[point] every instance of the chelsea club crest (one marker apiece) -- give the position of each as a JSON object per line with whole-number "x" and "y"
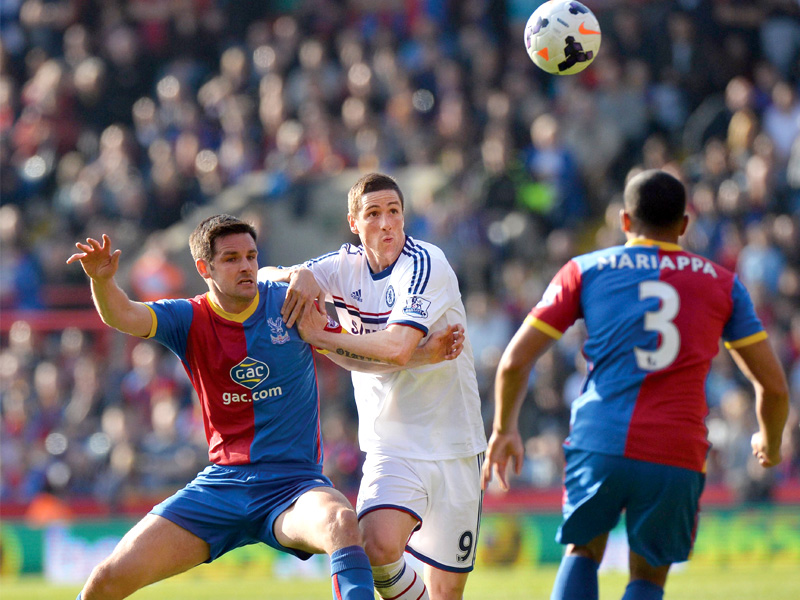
{"x": 390, "y": 297}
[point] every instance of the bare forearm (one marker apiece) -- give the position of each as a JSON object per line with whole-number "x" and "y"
{"x": 419, "y": 358}
{"x": 762, "y": 367}
{"x": 772, "y": 411}
{"x": 376, "y": 348}
{"x": 276, "y": 274}
{"x": 511, "y": 386}
{"x": 444, "y": 344}
{"x": 362, "y": 365}
{"x": 119, "y": 311}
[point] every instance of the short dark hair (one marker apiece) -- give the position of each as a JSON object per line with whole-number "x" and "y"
{"x": 655, "y": 198}
{"x": 204, "y": 236}
{"x": 371, "y": 182}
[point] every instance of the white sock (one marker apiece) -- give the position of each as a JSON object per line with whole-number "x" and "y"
{"x": 398, "y": 581}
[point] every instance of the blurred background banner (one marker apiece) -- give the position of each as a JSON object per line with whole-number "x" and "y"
{"x": 138, "y": 119}
{"x": 67, "y": 552}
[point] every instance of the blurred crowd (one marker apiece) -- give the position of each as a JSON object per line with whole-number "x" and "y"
{"x": 123, "y": 116}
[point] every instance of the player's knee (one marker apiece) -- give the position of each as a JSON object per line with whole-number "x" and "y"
{"x": 380, "y": 550}
{"x": 641, "y": 569}
{"x": 596, "y": 554}
{"x": 102, "y": 584}
{"x": 343, "y": 527}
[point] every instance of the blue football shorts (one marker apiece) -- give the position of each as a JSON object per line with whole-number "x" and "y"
{"x": 233, "y": 506}
{"x": 660, "y": 502}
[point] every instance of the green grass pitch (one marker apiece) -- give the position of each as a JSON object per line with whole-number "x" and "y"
{"x": 737, "y": 581}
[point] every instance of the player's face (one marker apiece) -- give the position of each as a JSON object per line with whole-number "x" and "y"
{"x": 232, "y": 272}
{"x": 379, "y": 223}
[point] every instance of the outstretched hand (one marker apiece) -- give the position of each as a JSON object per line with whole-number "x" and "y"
{"x": 97, "y": 260}
{"x": 502, "y": 446}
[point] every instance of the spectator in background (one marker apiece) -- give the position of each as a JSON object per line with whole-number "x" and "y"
{"x": 490, "y": 329}
{"x": 555, "y": 193}
{"x": 782, "y": 119}
{"x": 686, "y": 49}
{"x": 779, "y": 35}
{"x": 153, "y": 276}
{"x": 21, "y": 273}
{"x": 760, "y": 263}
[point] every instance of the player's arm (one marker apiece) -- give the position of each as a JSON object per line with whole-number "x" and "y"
{"x": 510, "y": 387}
{"x": 445, "y": 344}
{"x": 761, "y": 366}
{"x": 302, "y": 293}
{"x": 112, "y": 303}
{"x": 395, "y": 345}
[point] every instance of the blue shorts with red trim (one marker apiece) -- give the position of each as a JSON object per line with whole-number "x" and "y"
{"x": 660, "y": 503}
{"x": 233, "y": 506}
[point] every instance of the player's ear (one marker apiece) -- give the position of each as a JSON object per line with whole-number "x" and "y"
{"x": 624, "y": 220}
{"x": 203, "y": 268}
{"x": 684, "y": 224}
{"x": 352, "y": 221}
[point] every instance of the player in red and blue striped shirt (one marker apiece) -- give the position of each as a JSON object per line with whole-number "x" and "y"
{"x": 257, "y": 387}
{"x": 654, "y": 315}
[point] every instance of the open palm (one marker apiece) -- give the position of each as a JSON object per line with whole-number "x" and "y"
{"x": 97, "y": 260}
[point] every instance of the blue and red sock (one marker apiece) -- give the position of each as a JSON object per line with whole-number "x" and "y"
{"x": 351, "y": 574}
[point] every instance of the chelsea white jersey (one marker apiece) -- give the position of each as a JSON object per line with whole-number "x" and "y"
{"x": 430, "y": 412}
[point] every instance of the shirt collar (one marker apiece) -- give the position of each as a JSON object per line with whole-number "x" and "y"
{"x": 236, "y": 317}
{"x": 648, "y": 242}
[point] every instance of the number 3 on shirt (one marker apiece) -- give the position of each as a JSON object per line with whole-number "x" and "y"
{"x": 660, "y": 321}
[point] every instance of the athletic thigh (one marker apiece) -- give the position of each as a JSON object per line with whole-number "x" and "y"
{"x": 320, "y": 520}
{"x": 152, "y": 550}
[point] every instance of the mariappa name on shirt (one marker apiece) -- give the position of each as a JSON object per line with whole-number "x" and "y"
{"x": 652, "y": 262}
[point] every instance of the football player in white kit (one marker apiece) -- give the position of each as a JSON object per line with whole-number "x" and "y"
{"x": 420, "y": 426}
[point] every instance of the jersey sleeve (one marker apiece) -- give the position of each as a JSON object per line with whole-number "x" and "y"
{"x": 560, "y": 305}
{"x": 425, "y": 291}
{"x": 744, "y": 327}
{"x": 171, "y": 322}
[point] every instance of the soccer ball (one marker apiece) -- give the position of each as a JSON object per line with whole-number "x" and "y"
{"x": 562, "y": 37}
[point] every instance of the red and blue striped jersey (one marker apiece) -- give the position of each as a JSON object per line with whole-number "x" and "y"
{"x": 255, "y": 379}
{"x": 654, "y": 315}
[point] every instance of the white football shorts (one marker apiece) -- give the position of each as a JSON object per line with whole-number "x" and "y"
{"x": 444, "y": 495}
